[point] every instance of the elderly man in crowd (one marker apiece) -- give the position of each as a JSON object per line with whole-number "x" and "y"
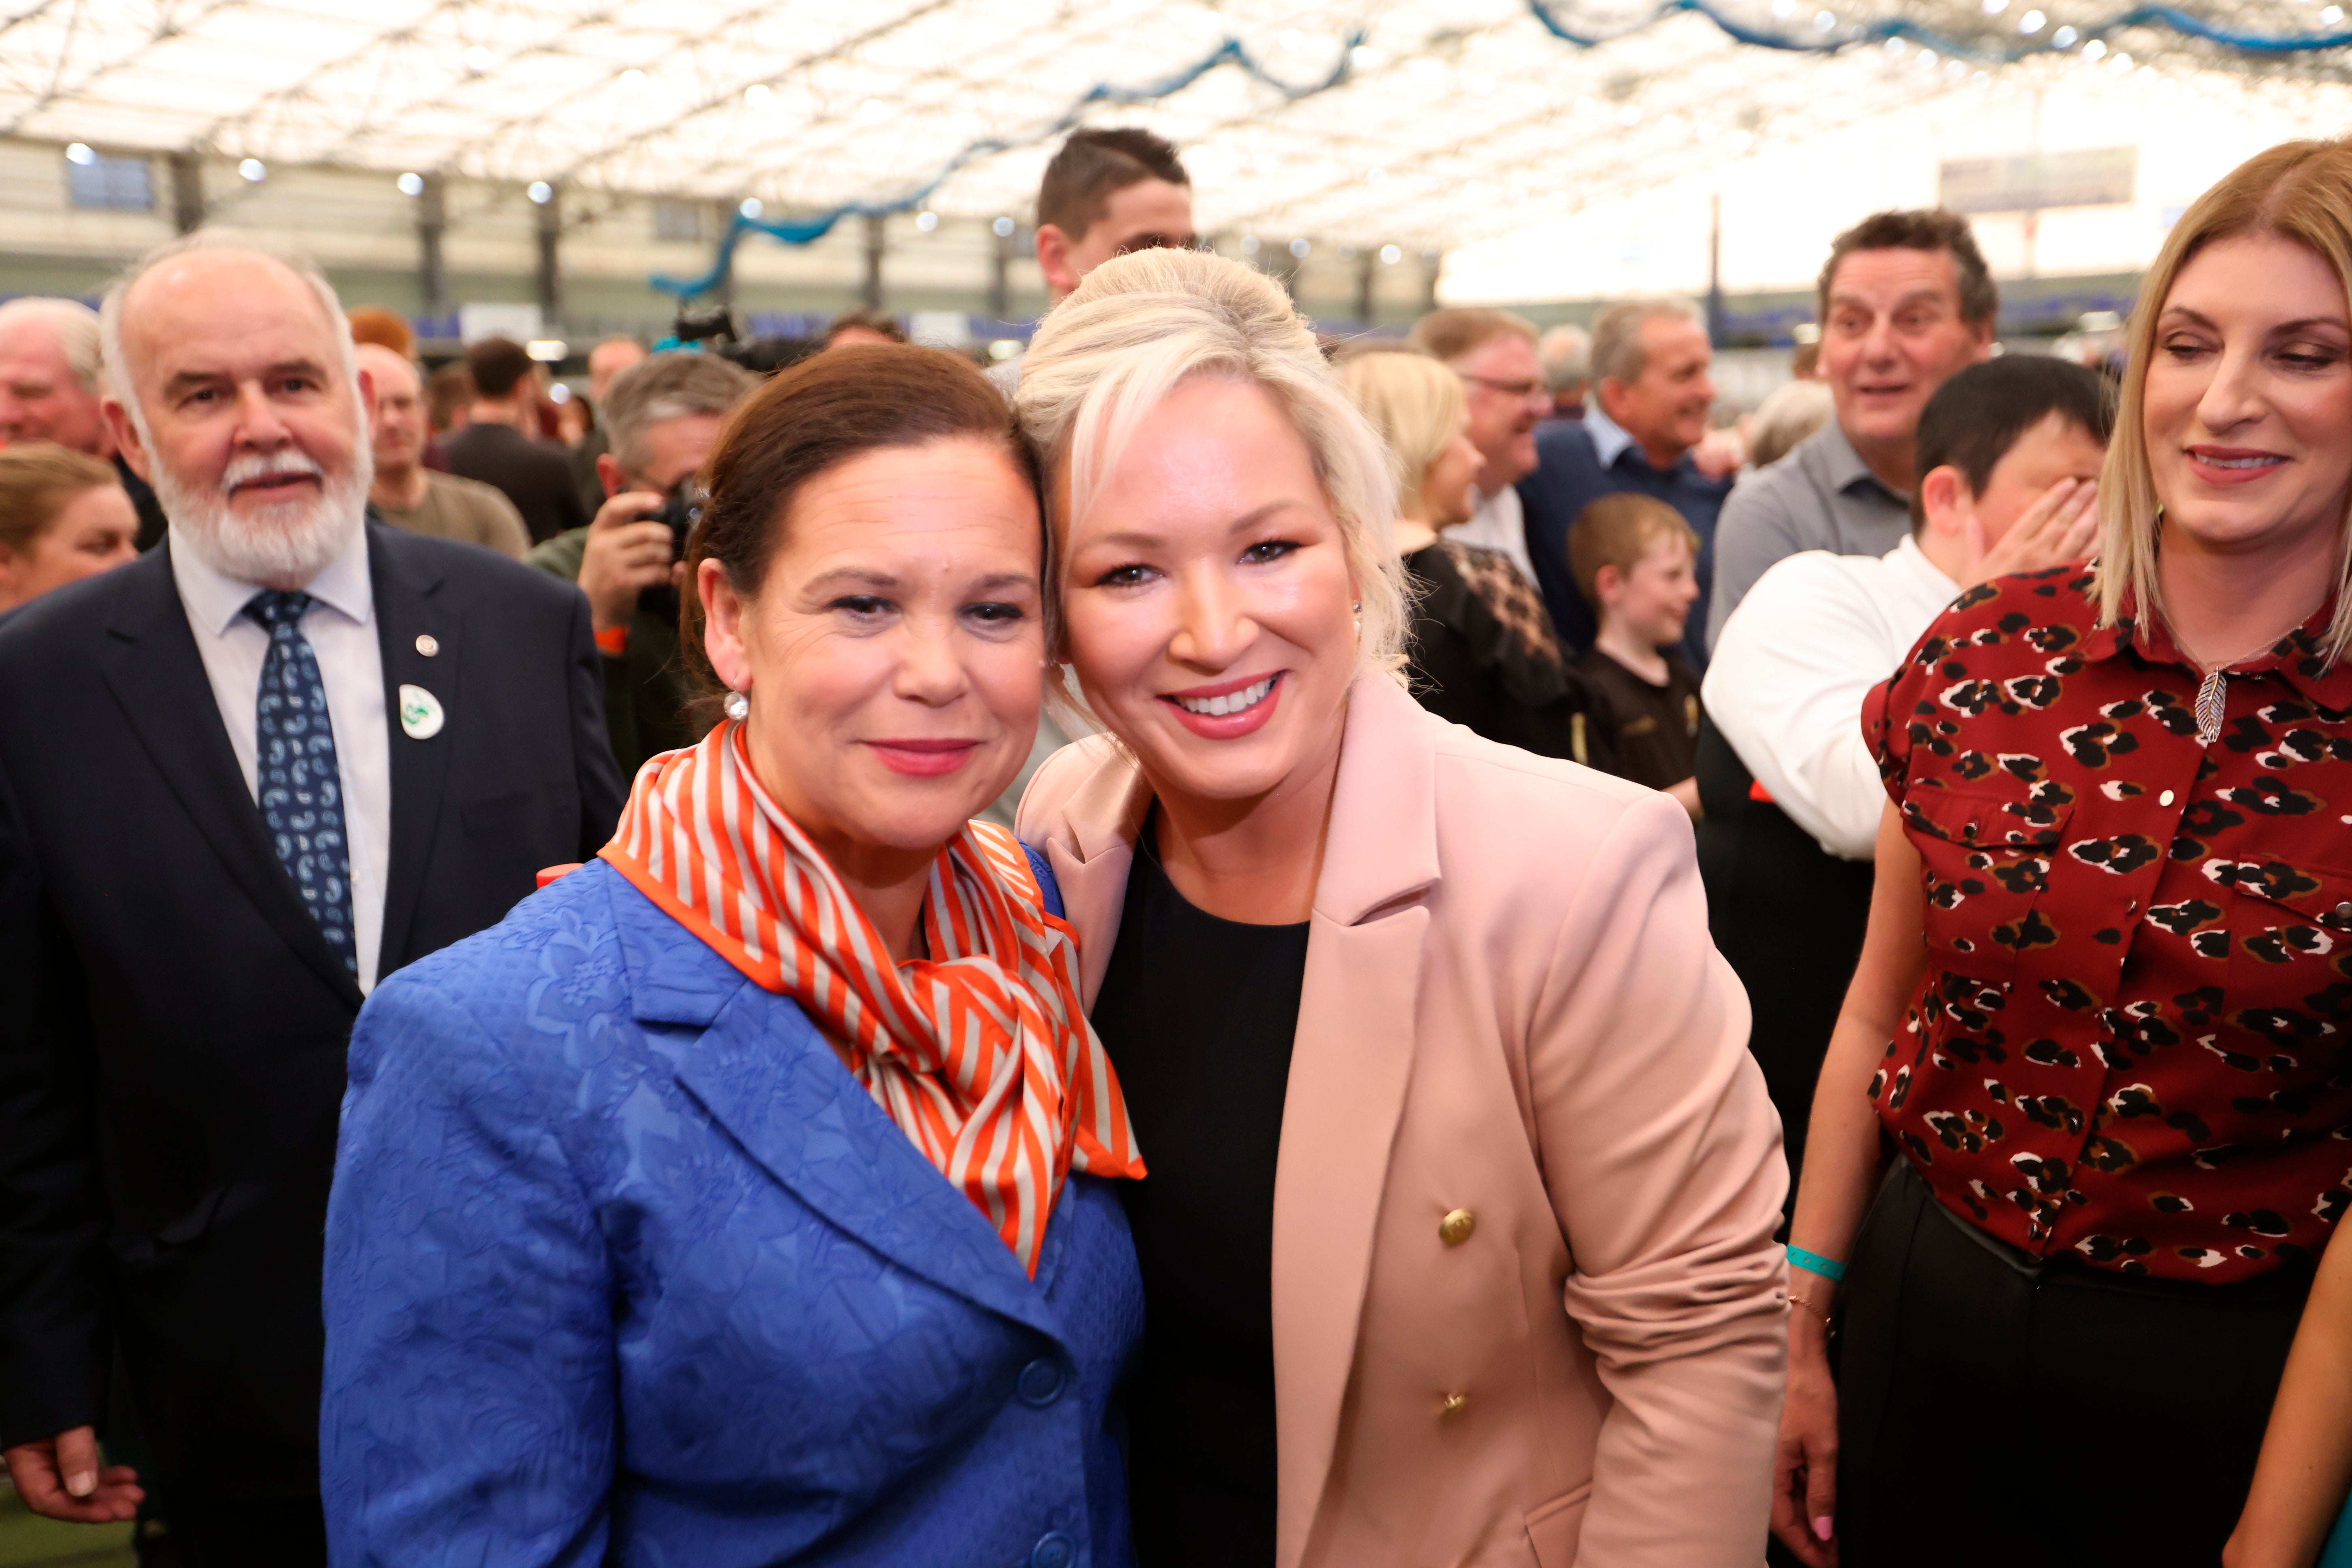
{"x": 243, "y": 778}
{"x": 1642, "y": 433}
{"x": 1494, "y": 352}
{"x": 664, "y": 415}
{"x": 49, "y": 391}
{"x": 1906, "y": 301}
{"x": 409, "y": 495}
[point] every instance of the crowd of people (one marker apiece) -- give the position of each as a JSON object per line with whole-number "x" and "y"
{"x": 1206, "y": 945}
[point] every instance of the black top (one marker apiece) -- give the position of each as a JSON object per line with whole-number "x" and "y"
{"x": 1484, "y": 655}
{"x": 171, "y": 1050}
{"x": 1653, "y": 730}
{"x": 536, "y": 475}
{"x": 1197, "y": 1015}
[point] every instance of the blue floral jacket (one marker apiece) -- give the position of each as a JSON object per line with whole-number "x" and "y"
{"x": 622, "y": 1265}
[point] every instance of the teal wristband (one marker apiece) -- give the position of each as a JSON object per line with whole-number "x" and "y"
{"x": 1814, "y": 1263}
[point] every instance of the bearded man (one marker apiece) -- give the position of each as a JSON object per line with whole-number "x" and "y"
{"x": 242, "y": 779}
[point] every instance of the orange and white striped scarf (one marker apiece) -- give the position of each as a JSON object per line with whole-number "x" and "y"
{"x": 981, "y": 1053}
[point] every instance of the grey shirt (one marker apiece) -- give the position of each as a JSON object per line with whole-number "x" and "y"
{"x": 1821, "y": 496}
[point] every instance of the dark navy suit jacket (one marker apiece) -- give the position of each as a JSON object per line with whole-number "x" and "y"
{"x": 623, "y": 1266}
{"x": 1577, "y": 461}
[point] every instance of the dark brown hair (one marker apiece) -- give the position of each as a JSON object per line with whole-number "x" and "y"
{"x": 1921, "y": 229}
{"x": 497, "y": 366}
{"x": 880, "y": 321}
{"x": 1094, "y": 165}
{"x": 449, "y": 392}
{"x": 817, "y": 414}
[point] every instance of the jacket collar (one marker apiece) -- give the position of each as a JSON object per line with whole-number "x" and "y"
{"x": 766, "y": 1075}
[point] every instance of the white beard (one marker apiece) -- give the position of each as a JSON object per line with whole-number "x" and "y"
{"x": 280, "y": 544}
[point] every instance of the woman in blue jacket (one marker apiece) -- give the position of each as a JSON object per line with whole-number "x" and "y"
{"x": 744, "y": 1197}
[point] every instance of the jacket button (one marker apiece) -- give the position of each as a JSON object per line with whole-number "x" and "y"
{"x": 1456, "y": 1227}
{"x": 1041, "y": 1384}
{"x": 2164, "y": 799}
{"x": 1053, "y": 1549}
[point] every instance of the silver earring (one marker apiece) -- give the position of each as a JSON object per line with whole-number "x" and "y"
{"x": 739, "y": 707}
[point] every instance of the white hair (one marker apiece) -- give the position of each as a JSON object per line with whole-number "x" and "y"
{"x": 74, "y": 325}
{"x": 281, "y": 544}
{"x": 1617, "y": 351}
{"x": 1142, "y": 324}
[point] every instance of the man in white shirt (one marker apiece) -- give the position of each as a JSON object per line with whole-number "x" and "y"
{"x": 243, "y": 777}
{"x": 1494, "y": 352}
{"x": 2009, "y": 453}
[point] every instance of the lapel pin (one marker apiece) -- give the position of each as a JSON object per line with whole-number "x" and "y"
{"x": 427, "y": 643}
{"x": 420, "y": 714}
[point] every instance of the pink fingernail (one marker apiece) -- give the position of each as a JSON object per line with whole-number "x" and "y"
{"x": 1821, "y": 1528}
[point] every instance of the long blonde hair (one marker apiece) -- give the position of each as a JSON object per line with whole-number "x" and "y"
{"x": 1141, "y": 325}
{"x": 2298, "y": 191}
{"x": 1416, "y": 404}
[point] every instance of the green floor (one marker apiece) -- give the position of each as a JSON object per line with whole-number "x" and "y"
{"x": 27, "y": 1540}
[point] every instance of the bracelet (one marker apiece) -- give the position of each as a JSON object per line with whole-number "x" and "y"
{"x": 1815, "y": 1308}
{"x": 1814, "y": 1263}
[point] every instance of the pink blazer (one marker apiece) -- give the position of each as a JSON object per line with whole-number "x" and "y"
{"x": 1511, "y": 1010}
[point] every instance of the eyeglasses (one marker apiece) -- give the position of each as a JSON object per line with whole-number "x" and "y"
{"x": 1521, "y": 389}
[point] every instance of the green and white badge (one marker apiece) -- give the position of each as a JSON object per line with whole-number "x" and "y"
{"x": 420, "y": 714}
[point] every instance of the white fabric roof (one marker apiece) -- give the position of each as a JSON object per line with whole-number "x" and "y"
{"x": 1460, "y": 121}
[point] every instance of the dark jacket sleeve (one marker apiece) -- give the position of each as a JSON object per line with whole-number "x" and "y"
{"x": 54, "y": 1329}
{"x": 602, "y": 790}
{"x": 1468, "y": 669}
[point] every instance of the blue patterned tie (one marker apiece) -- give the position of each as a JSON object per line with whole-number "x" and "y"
{"x": 301, "y": 792}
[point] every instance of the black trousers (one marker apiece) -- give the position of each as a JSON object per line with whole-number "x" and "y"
{"x": 1993, "y": 1411}
{"x": 249, "y": 1532}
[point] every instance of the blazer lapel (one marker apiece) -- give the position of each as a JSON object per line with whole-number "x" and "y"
{"x": 410, "y": 617}
{"x": 1349, "y": 1065}
{"x": 153, "y": 667}
{"x": 1091, "y": 849}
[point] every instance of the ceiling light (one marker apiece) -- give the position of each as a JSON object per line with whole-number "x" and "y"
{"x": 2095, "y": 48}
{"x": 927, "y": 221}
{"x": 1003, "y": 348}
{"x": 1390, "y": 256}
{"x": 1363, "y": 58}
{"x": 411, "y": 184}
{"x": 79, "y": 153}
{"x": 1299, "y": 247}
{"x": 2331, "y": 15}
{"x": 547, "y": 350}
{"x": 1002, "y": 227}
{"x": 1784, "y": 9}
{"x": 253, "y": 170}
{"x": 751, "y": 207}
{"x": 478, "y": 58}
{"x": 1292, "y": 38}
{"x": 1629, "y": 116}
{"x": 540, "y": 192}
{"x": 1823, "y": 21}
{"x": 873, "y": 109}
{"x": 2031, "y": 22}
{"x": 2065, "y": 37}
{"x": 758, "y": 93}
{"x": 1249, "y": 245}
{"x": 1995, "y": 8}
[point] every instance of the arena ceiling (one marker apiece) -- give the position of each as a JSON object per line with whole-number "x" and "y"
{"x": 1446, "y": 120}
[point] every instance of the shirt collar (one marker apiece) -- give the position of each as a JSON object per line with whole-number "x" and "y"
{"x": 1908, "y": 557}
{"x": 214, "y": 599}
{"x": 1609, "y": 438}
{"x": 1846, "y": 469}
{"x": 2300, "y": 657}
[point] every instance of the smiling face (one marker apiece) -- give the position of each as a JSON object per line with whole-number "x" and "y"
{"x": 1501, "y": 380}
{"x": 1208, "y": 601}
{"x": 894, "y": 652}
{"x": 2247, "y": 407}
{"x": 1653, "y": 599}
{"x": 40, "y": 397}
{"x": 249, "y": 424}
{"x": 1666, "y": 407}
{"x": 1894, "y": 336}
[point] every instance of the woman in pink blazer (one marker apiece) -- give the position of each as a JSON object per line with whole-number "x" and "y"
{"x": 1457, "y": 1238}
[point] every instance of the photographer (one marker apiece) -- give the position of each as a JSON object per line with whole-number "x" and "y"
{"x": 663, "y": 416}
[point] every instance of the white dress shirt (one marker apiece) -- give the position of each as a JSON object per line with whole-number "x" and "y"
{"x": 1497, "y": 523}
{"x": 1793, "y": 666}
{"x": 341, "y": 629}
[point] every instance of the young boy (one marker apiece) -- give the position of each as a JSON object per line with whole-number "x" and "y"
{"x": 1633, "y": 558}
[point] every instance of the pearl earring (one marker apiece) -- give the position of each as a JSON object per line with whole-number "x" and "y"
{"x": 739, "y": 707}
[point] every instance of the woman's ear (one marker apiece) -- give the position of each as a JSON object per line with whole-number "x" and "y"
{"x": 1945, "y": 500}
{"x": 724, "y": 615}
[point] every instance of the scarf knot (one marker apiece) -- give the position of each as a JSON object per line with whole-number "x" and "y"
{"x": 981, "y": 1053}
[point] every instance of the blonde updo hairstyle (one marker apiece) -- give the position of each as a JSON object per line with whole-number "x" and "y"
{"x": 1416, "y": 404}
{"x": 2298, "y": 191}
{"x": 1143, "y": 324}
